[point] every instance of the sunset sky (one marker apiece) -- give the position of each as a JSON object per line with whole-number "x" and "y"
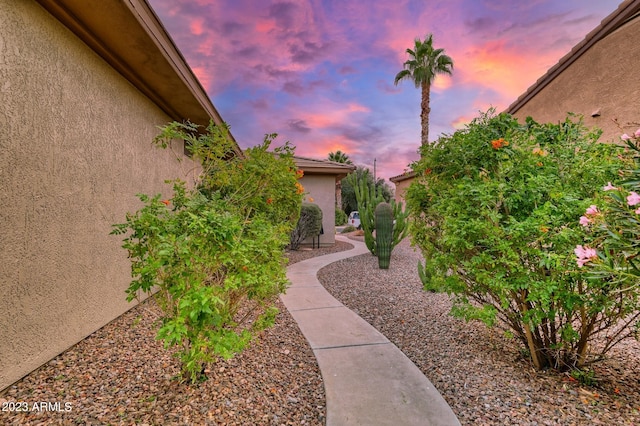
{"x": 320, "y": 72}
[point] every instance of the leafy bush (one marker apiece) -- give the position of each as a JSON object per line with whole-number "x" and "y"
{"x": 495, "y": 210}
{"x": 341, "y": 217}
{"x": 348, "y": 228}
{"x": 309, "y": 225}
{"x": 611, "y": 251}
{"x": 215, "y": 253}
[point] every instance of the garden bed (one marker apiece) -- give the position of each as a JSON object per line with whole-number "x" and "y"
{"x": 122, "y": 375}
{"x": 482, "y": 376}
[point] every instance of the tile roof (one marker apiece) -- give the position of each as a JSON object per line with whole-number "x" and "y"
{"x": 404, "y": 176}
{"x": 626, "y": 11}
{"x": 315, "y": 166}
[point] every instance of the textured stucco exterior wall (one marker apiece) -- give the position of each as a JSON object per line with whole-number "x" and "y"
{"x": 75, "y": 148}
{"x": 401, "y": 191}
{"x": 321, "y": 188}
{"x": 604, "y": 78}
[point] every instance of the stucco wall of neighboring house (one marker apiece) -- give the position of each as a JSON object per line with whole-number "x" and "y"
{"x": 604, "y": 79}
{"x": 321, "y": 188}
{"x": 401, "y": 190}
{"x": 75, "y": 146}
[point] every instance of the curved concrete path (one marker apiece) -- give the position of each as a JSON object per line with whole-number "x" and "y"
{"x": 367, "y": 379}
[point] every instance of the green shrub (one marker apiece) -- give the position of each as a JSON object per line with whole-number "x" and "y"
{"x": 611, "y": 252}
{"x": 348, "y": 228}
{"x": 341, "y": 217}
{"x": 495, "y": 209}
{"x": 309, "y": 225}
{"x": 215, "y": 253}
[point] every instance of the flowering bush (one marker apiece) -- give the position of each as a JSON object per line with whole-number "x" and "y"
{"x": 613, "y": 254}
{"x": 215, "y": 253}
{"x": 496, "y": 209}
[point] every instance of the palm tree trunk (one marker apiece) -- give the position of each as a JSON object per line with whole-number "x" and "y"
{"x": 425, "y": 111}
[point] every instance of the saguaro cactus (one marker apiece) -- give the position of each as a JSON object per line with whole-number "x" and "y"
{"x": 384, "y": 234}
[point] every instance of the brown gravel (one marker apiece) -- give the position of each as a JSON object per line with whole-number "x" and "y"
{"x": 481, "y": 374}
{"x": 122, "y": 375}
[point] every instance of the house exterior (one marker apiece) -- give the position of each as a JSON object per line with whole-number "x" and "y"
{"x": 402, "y": 183}
{"x": 597, "y": 79}
{"x": 83, "y": 87}
{"x": 319, "y": 181}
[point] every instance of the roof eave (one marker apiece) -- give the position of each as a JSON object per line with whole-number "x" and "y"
{"x": 144, "y": 54}
{"x": 626, "y": 11}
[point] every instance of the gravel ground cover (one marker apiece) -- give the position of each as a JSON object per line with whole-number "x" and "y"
{"x": 482, "y": 375}
{"x": 122, "y": 375}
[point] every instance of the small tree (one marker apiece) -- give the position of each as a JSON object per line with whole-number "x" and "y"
{"x": 495, "y": 210}
{"x": 215, "y": 254}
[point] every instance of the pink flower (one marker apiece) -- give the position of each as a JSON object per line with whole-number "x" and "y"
{"x": 637, "y": 211}
{"x": 637, "y": 133}
{"x": 584, "y": 221}
{"x": 592, "y": 210}
{"x": 609, "y": 187}
{"x": 633, "y": 199}
{"x": 585, "y": 255}
{"x": 625, "y": 137}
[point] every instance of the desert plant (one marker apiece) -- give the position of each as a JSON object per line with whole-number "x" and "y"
{"x": 400, "y": 223}
{"x": 495, "y": 209}
{"x": 348, "y": 184}
{"x": 368, "y": 199}
{"x": 348, "y": 229}
{"x": 215, "y": 253}
{"x": 309, "y": 225}
{"x": 384, "y": 234}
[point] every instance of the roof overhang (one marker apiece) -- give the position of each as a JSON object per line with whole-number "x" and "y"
{"x": 311, "y": 166}
{"x": 129, "y": 36}
{"x": 627, "y": 11}
{"x": 405, "y": 176}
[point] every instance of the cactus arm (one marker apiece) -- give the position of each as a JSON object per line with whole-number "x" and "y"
{"x": 365, "y": 208}
{"x": 400, "y": 228}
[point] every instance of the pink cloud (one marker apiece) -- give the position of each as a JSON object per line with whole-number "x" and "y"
{"x": 329, "y": 115}
{"x": 505, "y": 69}
{"x": 196, "y": 26}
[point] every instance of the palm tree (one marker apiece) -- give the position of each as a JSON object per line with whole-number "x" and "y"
{"x": 339, "y": 157}
{"x": 424, "y": 64}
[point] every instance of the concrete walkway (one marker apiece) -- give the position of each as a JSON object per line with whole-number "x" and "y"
{"x": 367, "y": 379}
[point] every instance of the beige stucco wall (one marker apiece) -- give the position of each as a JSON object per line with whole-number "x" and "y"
{"x": 604, "y": 78}
{"x": 401, "y": 190}
{"x": 75, "y": 146}
{"x": 321, "y": 188}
